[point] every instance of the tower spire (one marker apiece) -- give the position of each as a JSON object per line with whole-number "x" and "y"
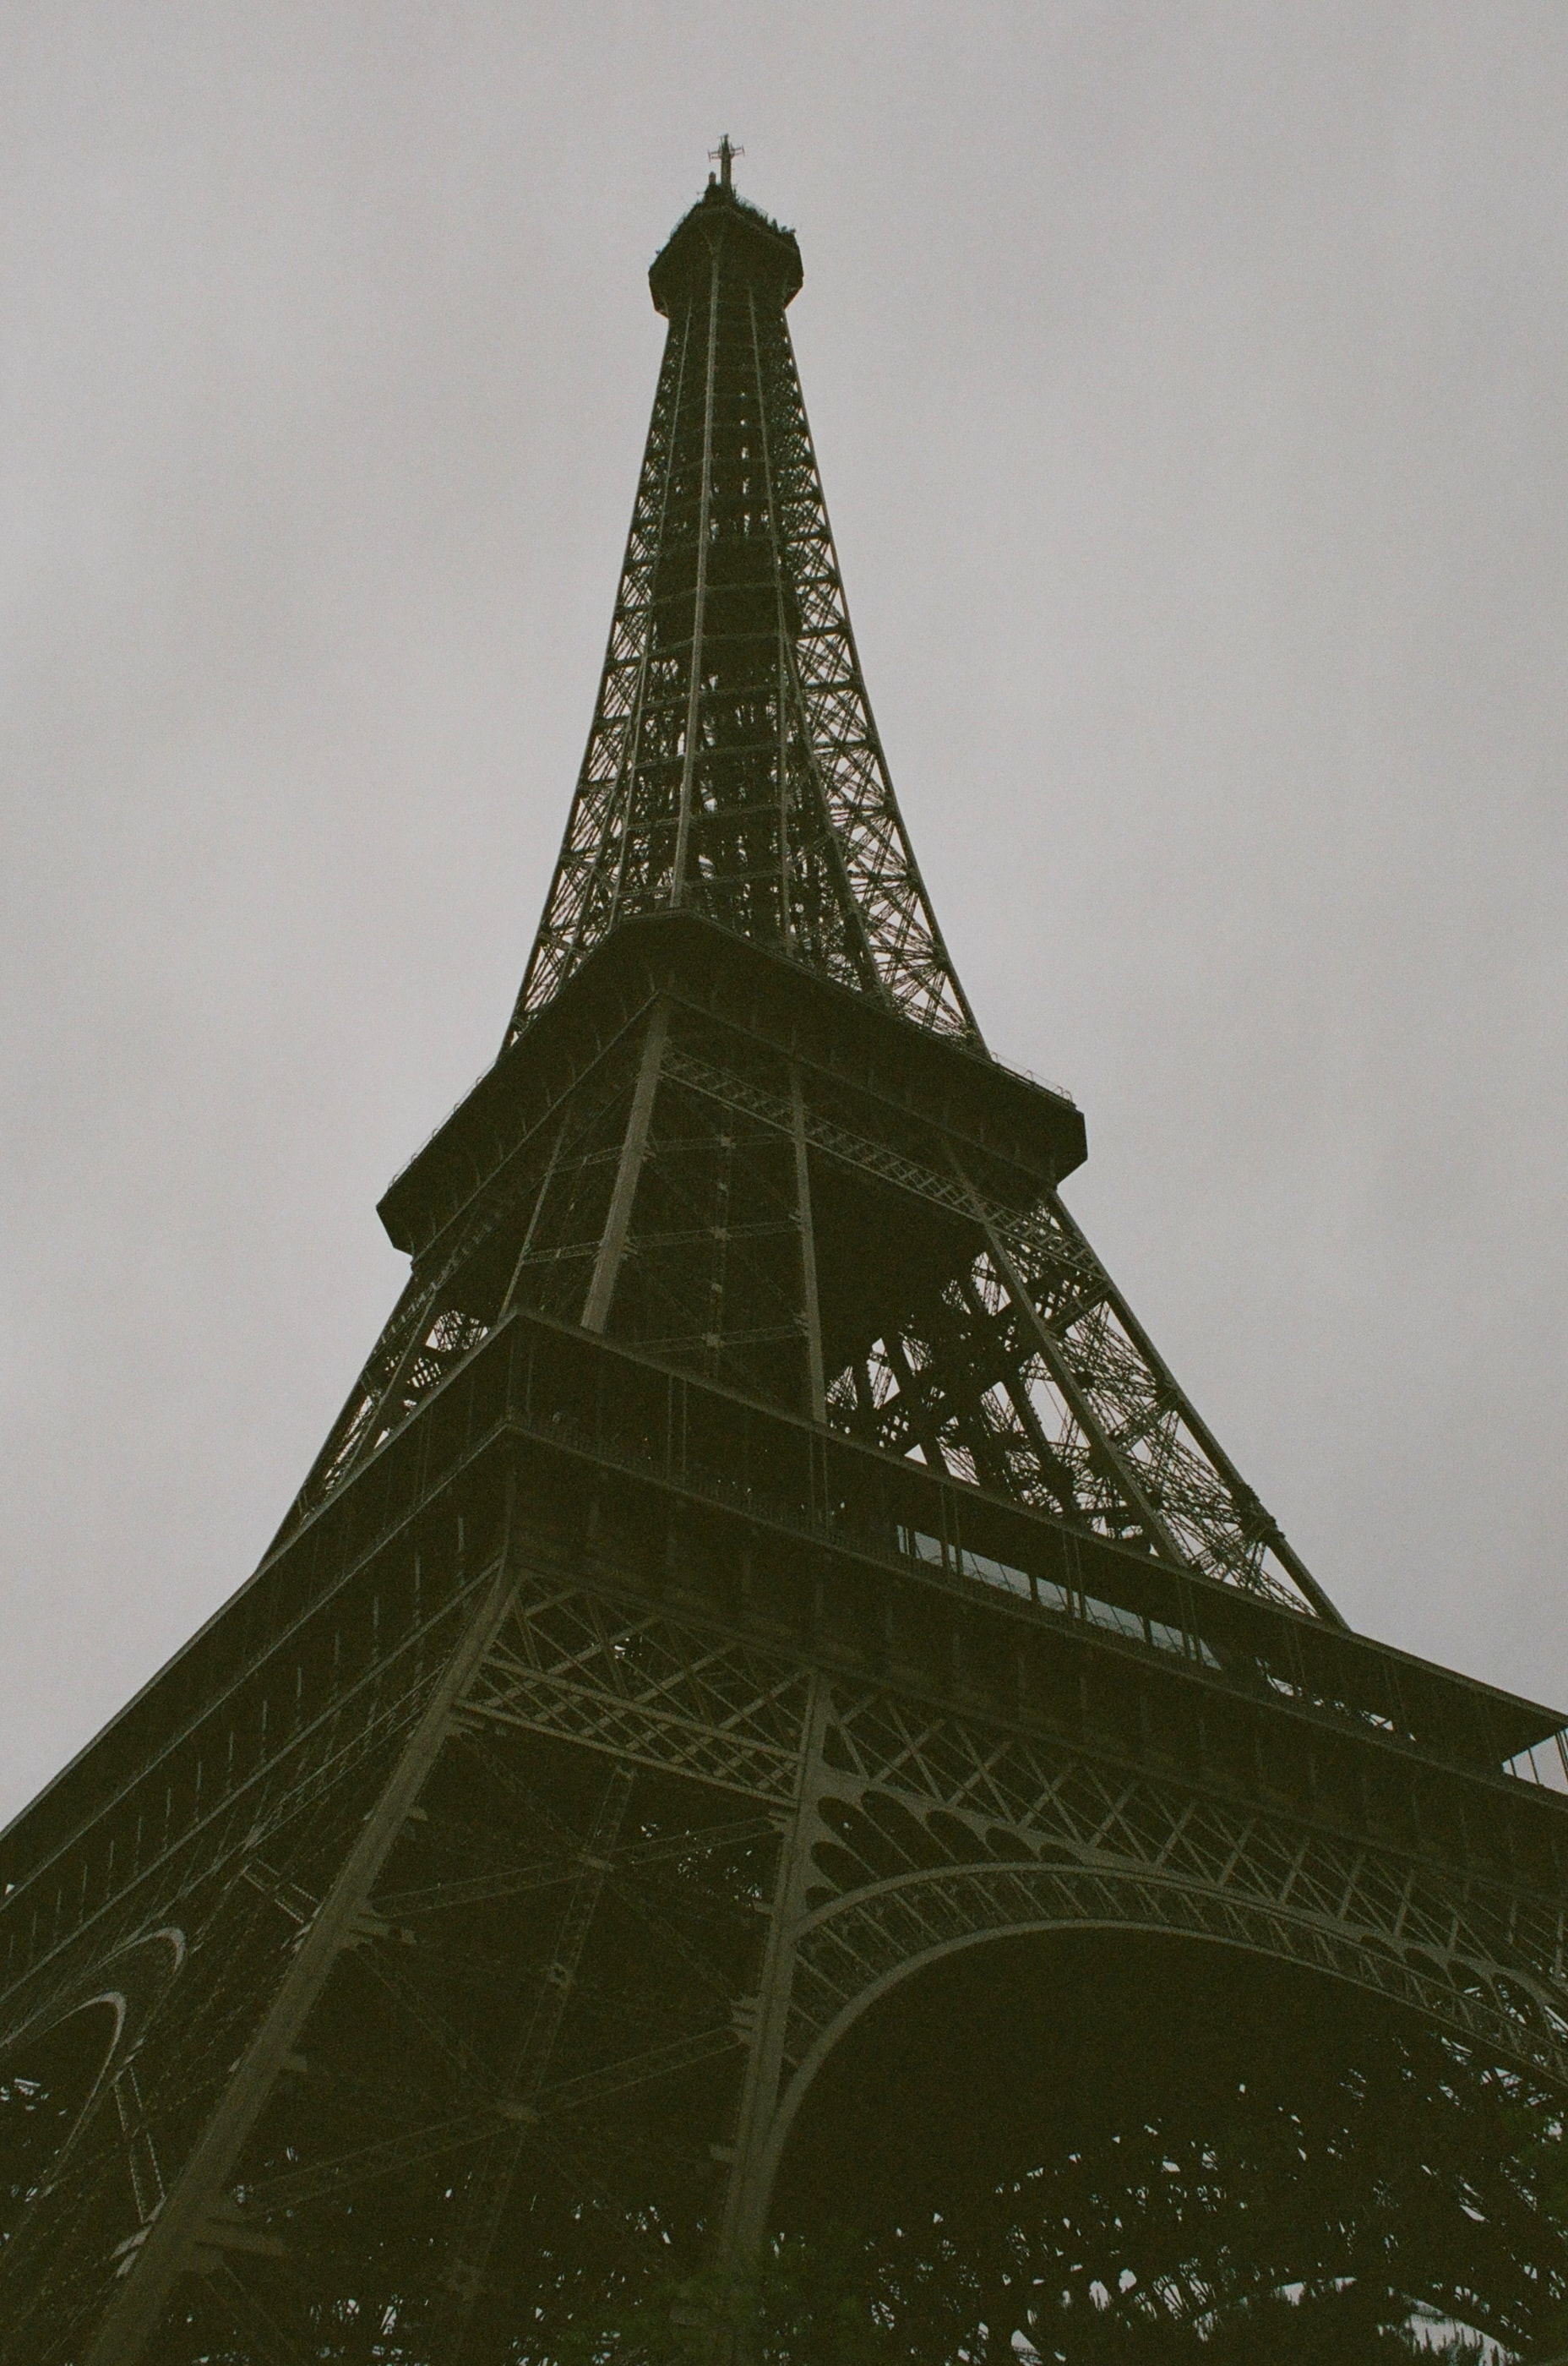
{"x": 734, "y": 768}
{"x": 724, "y": 155}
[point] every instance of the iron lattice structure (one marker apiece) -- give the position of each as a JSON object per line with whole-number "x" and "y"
{"x": 734, "y": 769}
{"x": 766, "y": 1571}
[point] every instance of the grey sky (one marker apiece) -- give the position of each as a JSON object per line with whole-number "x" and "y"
{"x": 1188, "y": 386}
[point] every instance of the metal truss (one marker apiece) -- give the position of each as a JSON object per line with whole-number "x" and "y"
{"x": 732, "y": 768}
{"x": 334, "y": 2006}
{"x": 632, "y": 1699}
{"x": 911, "y": 1870}
{"x": 918, "y": 1833}
{"x": 733, "y": 771}
{"x": 1027, "y": 1373}
{"x": 531, "y": 1243}
{"x": 649, "y": 1692}
{"x": 1478, "y": 1958}
{"x": 1018, "y": 1366}
{"x": 1034, "y": 1376}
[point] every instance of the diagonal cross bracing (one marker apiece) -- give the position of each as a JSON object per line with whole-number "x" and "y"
{"x": 734, "y": 768}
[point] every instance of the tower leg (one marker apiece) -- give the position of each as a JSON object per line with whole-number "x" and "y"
{"x": 618, "y": 1222}
{"x": 174, "y": 2232}
{"x": 531, "y": 2063}
{"x": 751, "y": 2172}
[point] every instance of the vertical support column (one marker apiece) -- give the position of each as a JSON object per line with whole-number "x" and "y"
{"x": 418, "y": 1340}
{"x": 700, "y": 600}
{"x": 175, "y": 2231}
{"x": 1050, "y": 1347}
{"x": 1242, "y": 1496}
{"x": 413, "y": 1307}
{"x": 618, "y": 1222}
{"x": 781, "y": 678}
{"x": 530, "y": 2064}
{"x": 751, "y": 2172}
{"x": 141, "y": 2155}
{"x": 816, "y": 1384}
{"x": 536, "y": 1212}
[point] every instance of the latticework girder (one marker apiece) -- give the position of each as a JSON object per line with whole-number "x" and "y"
{"x": 765, "y": 1571}
{"x": 734, "y": 769}
{"x": 472, "y": 1912}
{"x": 682, "y": 1191}
{"x": 1008, "y": 1357}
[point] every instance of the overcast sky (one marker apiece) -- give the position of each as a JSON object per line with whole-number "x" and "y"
{"x": 1189, "y": 383}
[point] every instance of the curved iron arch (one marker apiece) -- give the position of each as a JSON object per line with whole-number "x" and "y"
{"x": 883, "y": 1933}
{"x": 133, "y": 1982}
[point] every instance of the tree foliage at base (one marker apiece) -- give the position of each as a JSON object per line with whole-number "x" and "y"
{"x": 830, "y": 2304}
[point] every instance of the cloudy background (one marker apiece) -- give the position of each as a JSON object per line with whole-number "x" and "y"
{"x": 1189, "y": 383}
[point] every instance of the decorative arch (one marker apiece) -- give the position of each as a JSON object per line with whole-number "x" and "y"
{"x": 136, "y": 1976}
{"x": 852, "y": 1951}
{"x": 132, "y": 1984}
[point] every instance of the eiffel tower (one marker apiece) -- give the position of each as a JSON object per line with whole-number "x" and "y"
{"x": 772, "y": 1711}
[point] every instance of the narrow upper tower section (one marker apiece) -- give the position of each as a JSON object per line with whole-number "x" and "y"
{"x": 734, "y": 770}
